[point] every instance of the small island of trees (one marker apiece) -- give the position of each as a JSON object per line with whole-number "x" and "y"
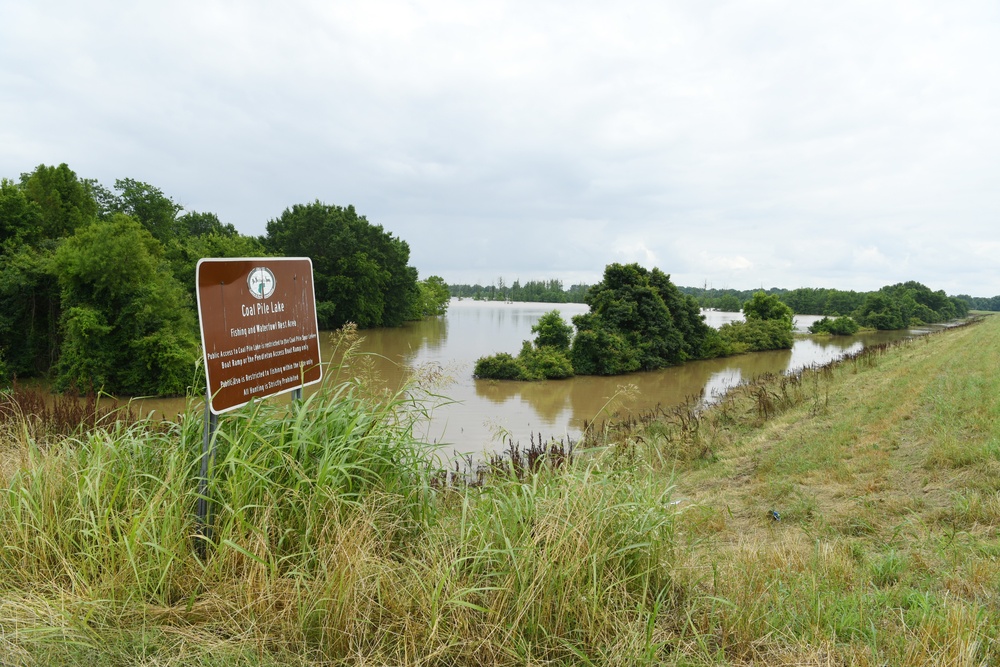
{"x": 638, "y": 320}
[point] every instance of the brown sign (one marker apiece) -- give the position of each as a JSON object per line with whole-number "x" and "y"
{"x": 258, "y": 328}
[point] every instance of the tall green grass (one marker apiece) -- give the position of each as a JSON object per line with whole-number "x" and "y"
{"x": 329, "y": 542}
{"x": 334, "y": 542}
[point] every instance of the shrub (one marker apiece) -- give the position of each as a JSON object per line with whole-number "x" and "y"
{"x": 757, "y": 335}
{"x": 767, "y": 307}
{"x": 600, "y": 352}
{"x": 552, "y": 331}
{"x": 546, "y": 362}
{"x": 841, "y": 326}
{"x": 500, "y": 366}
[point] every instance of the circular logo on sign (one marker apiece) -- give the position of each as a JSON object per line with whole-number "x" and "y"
{"x": 261, "y": 282}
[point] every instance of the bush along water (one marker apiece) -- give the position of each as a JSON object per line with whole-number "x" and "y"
{"x": 638, "y": 320}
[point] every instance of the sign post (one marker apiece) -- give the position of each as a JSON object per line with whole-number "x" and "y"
{"x": 260, "y": 338}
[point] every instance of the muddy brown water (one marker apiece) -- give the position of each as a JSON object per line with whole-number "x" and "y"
{"x": 483, "y": 413}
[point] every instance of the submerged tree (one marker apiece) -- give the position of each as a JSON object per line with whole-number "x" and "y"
{"x": 838, "y": 326}
{"x": 434, "y": 297}
{"x": 638, "y": 320}
{"x": 546, "y": 359}
{"x": 768, "y": 326}
{"x": 552, "y": 331}
{"x": 762, "y": 307}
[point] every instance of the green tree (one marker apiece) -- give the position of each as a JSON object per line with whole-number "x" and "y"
{"x": 630, "y": 320}
{"x": 30, "y": 227}
{"x": 840, "y": 326}
{"x": 145, "y": 203}
{"x": 729, "y": 303}
{"x": 29, "y": 318}
{"x": 194, "y": 223}
{"x": 20, "y": 218}
{"x": 552, "y": 331}
{"x": 755, "y": 336}
{"x": 685, "y": 313}
{"x": 545, "y": 363}
{"x": 839, "y": 302}
{"x": 547, "y": 359}
{"x": 184, "y": 252}
{"x": 361, "y": 271}
{"x": 128, "y": 327}
{"x": 502, "y": 366}
{"x": 768, "y": 307}
{"x": 880, "y": 311}
{"x": 601, "y": 352}
{"x": 434, "y": 298}
{"x": 65, "y": 202}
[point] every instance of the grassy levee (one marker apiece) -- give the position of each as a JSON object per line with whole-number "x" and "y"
{"x": 332, "y": 544}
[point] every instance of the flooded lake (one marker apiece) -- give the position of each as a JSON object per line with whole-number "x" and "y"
{"x": 485, "y": 412}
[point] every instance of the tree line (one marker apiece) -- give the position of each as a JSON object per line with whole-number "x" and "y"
{"x": 97, "y": 283}
{"x": 533, "y": 291}
{"x": 981, "y": 303}
{"x": 803, "y": 301}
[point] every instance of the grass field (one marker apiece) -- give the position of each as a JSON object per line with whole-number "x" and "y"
{"x": 849, "y": 515}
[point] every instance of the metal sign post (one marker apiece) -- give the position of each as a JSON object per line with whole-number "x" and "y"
{"x": 260, "y": 338}
{"x": 207, "y": 459}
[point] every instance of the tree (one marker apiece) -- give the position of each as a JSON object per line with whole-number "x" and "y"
{"x": 29, "y": 230}
{"x": 686, "y": 315}
{"x": 553, "y": 331}
{"x": 434, "y": 298}
{"x": 602, "y": 352}
{"x": 880, "y": 311}
{"x": 29, "y": 318}
{"x": 65, "y": 202}
{"x": 360, "y": 271}
{"x": 194, "y": 223}
{"x": 145, "y": 203}
{"x": 755, "y": 336}
{"x": 502, "y": 366}
{"x": 768, "y": 307}
{"x": 184, "y": 252}
{"x": 729, "y": 303}
{"x": 840, "y": 326}
{"x": 629, "y": 324}
{"x": 20, "y": 218}
{"x": 128, "y": 326}
{"x": 547, "y": 359}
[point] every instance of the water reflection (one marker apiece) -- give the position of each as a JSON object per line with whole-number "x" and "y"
{"x": 486, "y": 410}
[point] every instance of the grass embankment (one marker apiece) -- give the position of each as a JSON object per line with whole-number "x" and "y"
{"x": 332, "y": 546}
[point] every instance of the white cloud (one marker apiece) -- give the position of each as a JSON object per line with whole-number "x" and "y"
{"x": 792, "y": 144}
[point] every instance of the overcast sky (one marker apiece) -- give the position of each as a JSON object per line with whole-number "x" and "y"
{"x": 787, "y": 143}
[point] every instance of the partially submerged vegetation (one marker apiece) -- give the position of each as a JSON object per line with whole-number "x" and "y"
{"x": 849, "y": 514}
{"x": 638, "y": 320}
{"x": 838, "y": 326}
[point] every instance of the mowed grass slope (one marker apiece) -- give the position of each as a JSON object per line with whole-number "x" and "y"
{"x": 334, "y": 546}
{"x": 886, "y": 479}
